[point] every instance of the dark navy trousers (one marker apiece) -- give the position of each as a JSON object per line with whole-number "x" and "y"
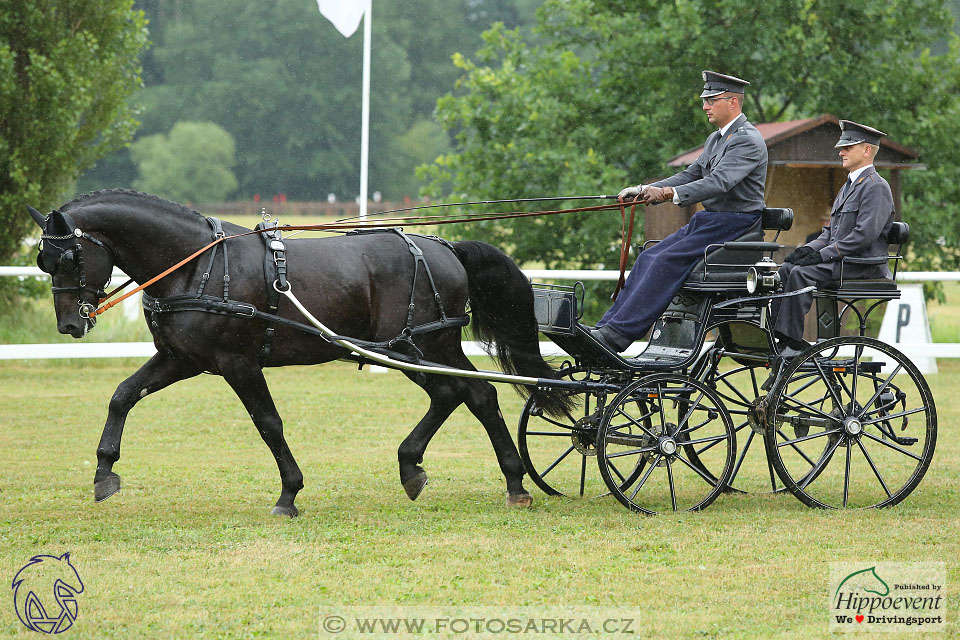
{"x": 659, "y": 272}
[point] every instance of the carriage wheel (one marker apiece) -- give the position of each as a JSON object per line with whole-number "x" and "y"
{"x": 740, "y": 390}
{"x": 646, "y": 438}
{"x": 851, "y": 424}
{"x": 556, "y": 452}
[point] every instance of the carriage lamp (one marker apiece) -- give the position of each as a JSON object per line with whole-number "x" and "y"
{"x": 763, "y": 276}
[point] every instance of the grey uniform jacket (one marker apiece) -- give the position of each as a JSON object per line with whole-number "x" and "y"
{"x": 730, "y": 173}
{"x": 859, "y": 223}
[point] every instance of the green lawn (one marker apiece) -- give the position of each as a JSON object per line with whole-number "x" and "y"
{"x": 187, "y": 549}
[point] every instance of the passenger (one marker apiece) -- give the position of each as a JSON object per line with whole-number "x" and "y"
{"x": 860, "y": 220}
{"x": 728, "y": 178}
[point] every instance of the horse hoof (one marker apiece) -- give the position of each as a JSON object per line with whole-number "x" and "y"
{"x": 103, "y": 489}
{"x": 413, "y": 486}
{"x": 292, "y": 512}
{"x": 519, "y": 500}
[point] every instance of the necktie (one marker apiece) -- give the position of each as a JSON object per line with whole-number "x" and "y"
{"x": 846, "y": 188}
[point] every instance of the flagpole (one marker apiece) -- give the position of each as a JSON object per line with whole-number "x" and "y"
{"x": 365, "y": 113}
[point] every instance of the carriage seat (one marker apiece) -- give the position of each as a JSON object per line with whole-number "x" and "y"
{"x": 726, "y": 265}
{"x": 873, "y": 288}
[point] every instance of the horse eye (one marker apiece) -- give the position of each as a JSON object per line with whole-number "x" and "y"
{"x": 68, "y": 262}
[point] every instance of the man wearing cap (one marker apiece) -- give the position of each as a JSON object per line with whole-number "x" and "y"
{"x": 728, "y": 178}
{"x": 860, "y": 220}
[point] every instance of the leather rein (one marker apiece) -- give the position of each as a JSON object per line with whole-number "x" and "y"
{"x": 626, "y": 236}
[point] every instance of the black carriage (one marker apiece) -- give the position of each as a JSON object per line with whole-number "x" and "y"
{"x": 710, "y": 405}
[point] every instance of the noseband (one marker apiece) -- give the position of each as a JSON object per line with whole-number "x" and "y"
{"x": 68, "y": 258}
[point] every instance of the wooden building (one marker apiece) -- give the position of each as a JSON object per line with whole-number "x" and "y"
{"x": 803, "y": 173}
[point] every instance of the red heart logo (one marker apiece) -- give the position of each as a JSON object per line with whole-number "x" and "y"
{"x": 859, "y": 618}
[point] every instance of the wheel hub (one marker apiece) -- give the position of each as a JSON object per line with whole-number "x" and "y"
{"x": 584, "y": 436}
{"x": 667, "y": 446}
{"x": 852, "y": 427}
{"x": 757, "y": 414}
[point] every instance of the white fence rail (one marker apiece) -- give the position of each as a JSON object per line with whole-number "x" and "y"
{"x": 147, "y": 349}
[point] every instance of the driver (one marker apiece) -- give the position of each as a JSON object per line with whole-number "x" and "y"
{"x": 728, "y": 178}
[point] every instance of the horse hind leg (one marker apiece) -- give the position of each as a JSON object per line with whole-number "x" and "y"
{"x": 159, "y": 372}
{"x": 482, "y": 402}
{"x": 446, "y": 395}
{"x": 247, "y": 381}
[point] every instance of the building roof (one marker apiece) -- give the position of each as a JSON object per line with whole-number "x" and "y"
{"x": 809, "y": 143}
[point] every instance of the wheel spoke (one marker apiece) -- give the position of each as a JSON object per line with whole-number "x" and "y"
{"x": 635, "y": 422}
{"x": 551, "y": 433}
{"x": 557, "y": 461}
{"x": 830, "y": 388}
{"x": 803, "y": 405}
{"x": 796, "y": 448}
{"x": 713, "y": 439}
{"x": 653, "y": 465}
{"x": 881, "y": 389}
{"x": 708, "y": 480}
{"x": 673, "y": 492}
{"x": 632, "y": 452}
{"x": 894, "y": 416}
{"x": 846, "y": 477}
{"x": 617, "y": 471}
{"x": 686, "y": 418}
{"x": 812, "y": 475}
{"x": 858, "y": 353}
{"x": 583, "y": 473}
{"x": 874, "y": 467}
{"x": 805, "y": 438}
{"x": 743, "y": 455}
{"x": 892, "y": 446}
{"x": 746, "y": 400}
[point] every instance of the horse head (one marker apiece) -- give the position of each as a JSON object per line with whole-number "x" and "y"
{"x": 73, "y": 258}
{"x": 45, "y": 593}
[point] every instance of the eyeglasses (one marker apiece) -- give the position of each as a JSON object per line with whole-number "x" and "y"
{"x": 710, "y": 101}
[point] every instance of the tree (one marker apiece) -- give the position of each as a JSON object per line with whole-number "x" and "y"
{"x": 609, "y": 93}
{"x": 286, "y": 85}
{"x": 192, "y": 164}
{"x": 66, "y": 71}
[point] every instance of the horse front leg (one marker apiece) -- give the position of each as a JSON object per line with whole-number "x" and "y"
{"x": 159, "y": 372}
{"x": 247, "y": 381}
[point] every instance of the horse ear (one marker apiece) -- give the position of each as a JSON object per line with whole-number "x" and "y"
{"x": 38, "y": 217}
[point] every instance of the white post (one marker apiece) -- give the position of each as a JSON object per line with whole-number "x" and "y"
{"x": 365, "y": 113}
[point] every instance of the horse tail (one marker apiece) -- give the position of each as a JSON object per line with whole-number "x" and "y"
{"x": 501, "y": 303}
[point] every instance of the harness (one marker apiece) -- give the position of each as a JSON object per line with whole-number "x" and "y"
{"x": 275, "y": 277}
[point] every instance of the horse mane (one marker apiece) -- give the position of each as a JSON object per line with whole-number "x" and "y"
{"x": 94, "y": 196}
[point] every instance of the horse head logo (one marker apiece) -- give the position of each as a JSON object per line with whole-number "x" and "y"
{"x": 45, "y": 593}
{"x": 865, "y": 580}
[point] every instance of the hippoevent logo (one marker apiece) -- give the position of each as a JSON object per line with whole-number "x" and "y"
{"x": 889, "y": 596}
{"x": 45, "y": 594}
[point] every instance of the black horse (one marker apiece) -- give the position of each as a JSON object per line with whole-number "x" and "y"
{"x": 360, "y": 285}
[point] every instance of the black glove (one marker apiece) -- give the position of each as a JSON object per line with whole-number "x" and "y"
{"x": 808, "y": 259}
{"x": 798, "y": 254}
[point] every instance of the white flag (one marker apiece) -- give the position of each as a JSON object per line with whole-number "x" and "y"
{"x": 344, "y": 14}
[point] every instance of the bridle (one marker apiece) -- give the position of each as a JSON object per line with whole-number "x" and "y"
{"x": 56, "y": 254}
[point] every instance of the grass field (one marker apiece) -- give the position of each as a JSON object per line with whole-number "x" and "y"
{"x": 187, "y": 549}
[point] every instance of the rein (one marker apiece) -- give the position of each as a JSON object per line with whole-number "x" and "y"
{"x": 626, "y": 236}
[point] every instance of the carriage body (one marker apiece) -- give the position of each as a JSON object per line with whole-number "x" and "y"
{"x": 710, "y": 405}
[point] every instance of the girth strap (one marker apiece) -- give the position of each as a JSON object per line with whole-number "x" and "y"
{"x": 274, "y": 272}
